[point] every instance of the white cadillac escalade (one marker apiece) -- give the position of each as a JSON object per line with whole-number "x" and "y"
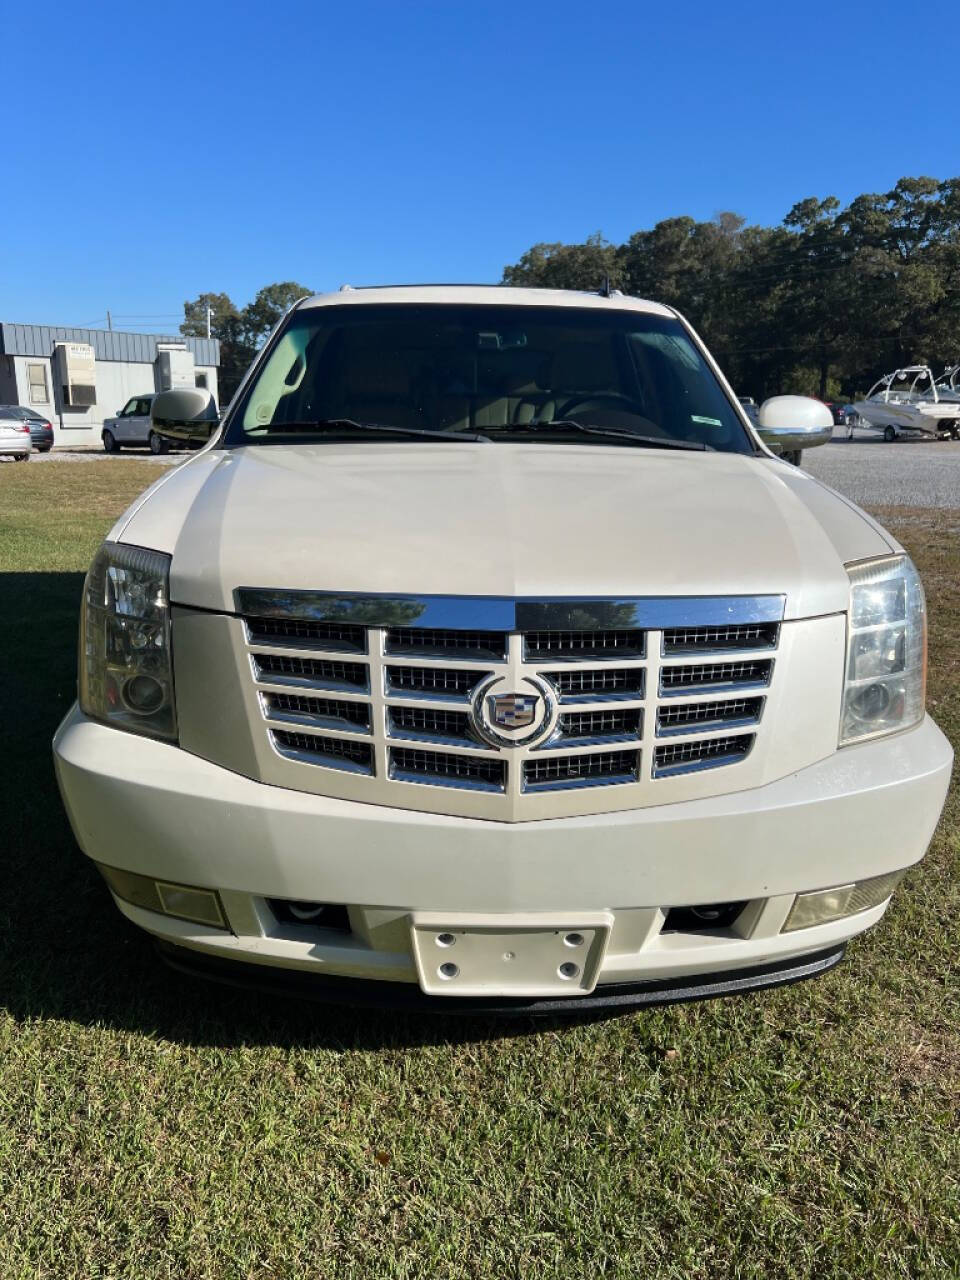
{"x": 486, "y": 657}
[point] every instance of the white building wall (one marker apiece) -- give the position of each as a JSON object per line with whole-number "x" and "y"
{"x": 116, "y": 382}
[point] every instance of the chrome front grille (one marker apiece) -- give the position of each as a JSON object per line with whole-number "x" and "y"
{"x": 408, "y": 707}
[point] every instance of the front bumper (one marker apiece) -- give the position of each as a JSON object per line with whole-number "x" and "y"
{"x": 152, "y": 808}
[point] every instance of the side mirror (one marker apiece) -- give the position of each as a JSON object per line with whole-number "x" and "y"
{"x": 787, "y": 424}
{"x": 187, "y": 415}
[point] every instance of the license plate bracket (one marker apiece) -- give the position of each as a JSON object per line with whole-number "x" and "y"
{"x": 491, "y": 955}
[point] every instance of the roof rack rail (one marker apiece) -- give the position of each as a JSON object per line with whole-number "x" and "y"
{"x": 429, "y": 284}
{"x": 606, "y": 290}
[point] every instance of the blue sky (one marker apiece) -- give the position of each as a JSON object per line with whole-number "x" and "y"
{"x": 151, "y": 152}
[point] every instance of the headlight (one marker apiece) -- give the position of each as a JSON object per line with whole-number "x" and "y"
{"x": 126, "y": 670}
{"x": 886, "y": 650}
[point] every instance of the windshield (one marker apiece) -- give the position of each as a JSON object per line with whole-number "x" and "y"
{"x": 503, "y": 372}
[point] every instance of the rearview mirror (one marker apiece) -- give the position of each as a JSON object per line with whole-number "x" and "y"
{"x": 186, "y": 414}
{"x": 787, "y": 424}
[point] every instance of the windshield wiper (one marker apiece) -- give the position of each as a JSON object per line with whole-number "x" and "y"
{"x": 613, "y": 433}
{"x": 351, "y": 424}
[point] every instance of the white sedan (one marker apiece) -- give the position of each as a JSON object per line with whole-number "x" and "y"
{"x": 15, "y": 439}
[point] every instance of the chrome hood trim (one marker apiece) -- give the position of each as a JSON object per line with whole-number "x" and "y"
{"x": 468, "y": 613}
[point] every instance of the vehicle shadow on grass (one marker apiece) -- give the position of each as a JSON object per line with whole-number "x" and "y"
{"x": 65, "y": 951}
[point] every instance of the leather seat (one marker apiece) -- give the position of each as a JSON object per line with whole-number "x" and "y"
{"x": 376, "y": 386}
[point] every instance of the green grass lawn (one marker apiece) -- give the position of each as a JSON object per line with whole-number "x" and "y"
{"x": 154, "y": 1128}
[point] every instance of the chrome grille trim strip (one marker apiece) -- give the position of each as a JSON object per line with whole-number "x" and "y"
{"x": 509, "y": 613}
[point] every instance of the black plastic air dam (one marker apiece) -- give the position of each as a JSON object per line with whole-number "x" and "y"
{"x": 368, "y": 993}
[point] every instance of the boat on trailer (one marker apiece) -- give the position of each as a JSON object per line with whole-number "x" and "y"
{"x": 948, "y": 384}
{"x": 909, "y": 402}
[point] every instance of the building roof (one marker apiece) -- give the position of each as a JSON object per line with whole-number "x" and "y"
{"x": 108, "y": 344}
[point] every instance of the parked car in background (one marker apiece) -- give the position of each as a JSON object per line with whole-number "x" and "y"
{"x": 132, "y": 426}
{"x": 838, "y": 410}
{"x": 15, "y": 439}
{"x": 486, "y": 657}
{"x": 40, "y": 428}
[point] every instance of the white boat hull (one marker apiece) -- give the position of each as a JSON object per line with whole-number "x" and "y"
{"x": 927, "y": 418}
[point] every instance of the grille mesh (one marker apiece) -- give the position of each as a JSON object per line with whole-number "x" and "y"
{"x": 703, "y": 674}
{"x": 762, "y": 635}
{"x": 442, "y": 681}
{"x": 426, "y": 720}
{"x": 357, "y": 713}
{"x": 600, "y": 766}
{"x": 604, "y": 682}
{"x": 678, "y": 715}
{"x": 685, "y": 755}
{"x": 325, "y": 635}
{"x": 434, "y": 764}
{"x": 352, "y": 675}
{"x": 333, "y": 751}
{"x": 430, "y": 640}
{"x": 582, "y": 644}
{"x": 601, "y": 724}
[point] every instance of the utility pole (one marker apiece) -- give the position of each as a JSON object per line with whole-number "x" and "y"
{"x": 209, "y": 314}
{"x": 109, "y": 322}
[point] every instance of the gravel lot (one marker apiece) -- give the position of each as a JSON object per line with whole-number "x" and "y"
{"x": 914, "y": 473}
{"x": 873, "y": 473}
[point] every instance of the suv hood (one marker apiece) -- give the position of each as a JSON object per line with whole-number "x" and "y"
{"x": 500, "y": 520}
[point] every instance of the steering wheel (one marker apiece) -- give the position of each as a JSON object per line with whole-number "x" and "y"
{"x": 606, "y": 400}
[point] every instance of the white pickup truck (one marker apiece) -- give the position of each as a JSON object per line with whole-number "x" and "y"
{"x": 487, "y": 658}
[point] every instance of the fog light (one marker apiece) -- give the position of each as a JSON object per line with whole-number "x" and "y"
{"x": 844, "y": 900}
{"x": 181, "y": 901}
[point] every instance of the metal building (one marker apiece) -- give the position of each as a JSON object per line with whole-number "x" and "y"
{"x": 78, "y": 377}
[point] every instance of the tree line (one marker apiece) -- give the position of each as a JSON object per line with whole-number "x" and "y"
{"x": 822, "y": 304}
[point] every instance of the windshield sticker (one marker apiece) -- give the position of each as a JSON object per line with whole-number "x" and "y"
{"x": 707, "y": 422}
